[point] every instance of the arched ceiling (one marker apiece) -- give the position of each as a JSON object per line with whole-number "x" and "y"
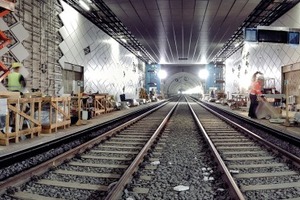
{"x": 181, "y": 31}
{"x": 181, "y": 81}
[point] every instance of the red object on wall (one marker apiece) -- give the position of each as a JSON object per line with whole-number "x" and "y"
{"x": 4, "y": 12}
{"x": 4, "y": 40}
{"x": 5, "y": 70}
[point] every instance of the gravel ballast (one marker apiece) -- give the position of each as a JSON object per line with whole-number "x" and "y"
{"x": 186, "y": 161}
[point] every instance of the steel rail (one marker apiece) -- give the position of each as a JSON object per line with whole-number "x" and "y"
{"x": 233, "y": 188}
{"x": 117, "y": 190}
{"x": 43, "y": 167}
{"x": 273, "y": 147}
{"x": 290, "y": 138}
{"x": 13, "y": 157}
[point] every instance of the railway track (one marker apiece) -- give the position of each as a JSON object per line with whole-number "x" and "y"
{"x": 102, "y": 168}
{"x": 99, "y": 169}
{"x": 253, "y": 167}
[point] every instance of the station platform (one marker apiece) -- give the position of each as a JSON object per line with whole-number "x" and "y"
{"x": 293, "y": 130}
{"x": 103, "y": 118}
{"x": 46, "y": 137}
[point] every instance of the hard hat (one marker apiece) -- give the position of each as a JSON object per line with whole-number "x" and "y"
{"x": 16, "y": 64}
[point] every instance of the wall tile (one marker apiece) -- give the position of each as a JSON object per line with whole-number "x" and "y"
{"x": 265, "y": 57}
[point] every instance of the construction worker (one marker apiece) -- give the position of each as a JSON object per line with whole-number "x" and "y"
{"x": 255, "y": 93}
{"x": 16, "y": 81}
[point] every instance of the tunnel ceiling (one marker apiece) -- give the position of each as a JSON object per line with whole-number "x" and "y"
{"x": 181, "y": 31}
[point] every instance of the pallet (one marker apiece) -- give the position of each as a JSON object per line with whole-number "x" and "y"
{"x": 60, "y": 106}
{"x": 20, "y": 110}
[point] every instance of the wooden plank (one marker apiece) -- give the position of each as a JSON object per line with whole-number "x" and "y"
{"x": 30, "y": 130}
{"x": 227, "y": 136}
{"x": 49, "y": 99}
{"x": 115, "y": 152}
{"x": 24, "y": 100}
{"x": 96, "y": 175}
{"x": 30, "y": 196}
{"x": 233, "y": 143}
{"x": 55, "y": 125}
{"x": 117, "y": 146}
{"x": 250, "y": 158}
{"x": 14, "y": 109}
{"x": 220, "y": 131}
{"x": 130, "y": 143}
{"x": 98, "y": 165}
{"x": 256, "y": 165}
{"x": 240, "y": 147}
{"x": 259, "y": 175}
{"x": 7, "y": 94}
{"x": 271, "y": 186}
{"x": 242, "y": 152}
{"x": 66, "y": 115}
{"x": 131, "y": 136}
{"x": 106, "y": 157}
{"x": 230, "y": 139}
{"x": 147, "y": 134}
{"x": 129, "y": 139}
{"x": 73, "y": 185}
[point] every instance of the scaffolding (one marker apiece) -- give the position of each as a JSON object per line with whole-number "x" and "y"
{"x": 5, "y": 7}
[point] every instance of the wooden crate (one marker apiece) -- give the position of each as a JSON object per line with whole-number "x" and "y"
{"x": 109, "y": 106}
{"x": 79, "y": 102}
{"x": 61, "y": 108}
{"x": 20, "y": 110}
{"x": 99, "y": 104}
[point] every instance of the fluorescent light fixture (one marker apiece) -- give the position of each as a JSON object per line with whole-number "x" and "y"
{"x": 130, "y": 55}
{"x": 163, "y": 61}
{"x": 203, "y": 74}
{"x": 203, "y": 60}
{"x": 84, "y": 5}
{"x": 162, "y": 74}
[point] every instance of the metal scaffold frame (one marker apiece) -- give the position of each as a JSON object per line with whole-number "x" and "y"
{"x": 4, "y": 40}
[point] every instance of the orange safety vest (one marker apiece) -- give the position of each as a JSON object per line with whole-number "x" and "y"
{"x": 256, "y": 88}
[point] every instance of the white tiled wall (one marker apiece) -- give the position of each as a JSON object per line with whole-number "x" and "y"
{"x": 109, "y": 67}
{"x": 265, "y": 57}
{"x": 19, "y": 34}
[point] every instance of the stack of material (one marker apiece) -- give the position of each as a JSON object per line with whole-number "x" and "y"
{"x": 267, "y": 111}
{"x": 15, "y": 112}
{"x": 57, "y": 111}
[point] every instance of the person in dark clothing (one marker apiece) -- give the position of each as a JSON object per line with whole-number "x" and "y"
{"x": 255, "y": 93}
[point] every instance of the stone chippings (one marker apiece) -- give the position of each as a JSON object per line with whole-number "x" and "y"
{"x": 182, "y": 161}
